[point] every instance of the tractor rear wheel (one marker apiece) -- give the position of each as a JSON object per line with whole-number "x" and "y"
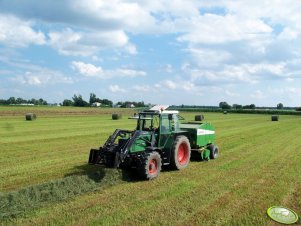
{"x": 213, "y": 151}
{"x": 151, "y": 166}
{"x": 180, "y": 155}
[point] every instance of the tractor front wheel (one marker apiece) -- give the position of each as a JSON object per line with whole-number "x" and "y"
{"x": 151, "y": 166}
{"x": 213, "y": 151}
{"x": 181, "y": 152}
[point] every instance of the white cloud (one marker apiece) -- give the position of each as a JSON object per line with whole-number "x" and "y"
{"x": 86, "y": 69}
{"x": 91, "y": 70}
{"x": 188, "y": 86}
{"x": 168, "y": 68}
{"x": 116, "y": 13}
{"x": 69, "y": 42}
{"x": 243, "y": 73}
{"x": 126, "y": 72}
{"x": 41, "y": 76}
{"x": 32, "y": 79}
{"x": 211, "y": 28}
{"x": 289, "y": 34}
{"x": 142, "y": 88}
{"x": 294, "y": 92}
{"x": 258, "y": 94}
{"x": 231, "y": 94}
{"x": 25, "y": 72}
{"x": 181, "y": 85}
{"x": 131, "y": 49}
{"x": 117, "y": 89}
{"x": 167, "y": 85}
{"x": 18, "y": 33}
{"x": 216, "y": 42}
{"x": 91, "y": 14}
{"x": 284, "y": 91}
{"x": 207, "y": 57}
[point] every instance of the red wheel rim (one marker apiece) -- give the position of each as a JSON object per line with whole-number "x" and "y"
{"x": 183, "y": 154}
{"x": 152, "y": 167}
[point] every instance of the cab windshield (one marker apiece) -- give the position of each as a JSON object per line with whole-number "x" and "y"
{"x": 148, "y": 122}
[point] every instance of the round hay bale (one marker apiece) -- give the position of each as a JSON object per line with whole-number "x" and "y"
{"x": 30, "y": 116}
{"x": 225, "y": 112}
{"x": 199, "y": 118}
{"x": 116, "y": 116}
{"x": 275, "y": 117}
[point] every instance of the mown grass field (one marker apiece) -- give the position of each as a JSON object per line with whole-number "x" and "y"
{"x": 45, "y": 179}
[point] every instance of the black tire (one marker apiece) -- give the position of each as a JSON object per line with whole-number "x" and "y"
{"x": 180, "y": 154}
{"x": 151, "y": 166}
{"x": 213, "y": 151}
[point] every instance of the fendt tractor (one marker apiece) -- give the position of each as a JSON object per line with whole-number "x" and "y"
{"x": 159, "y": 139}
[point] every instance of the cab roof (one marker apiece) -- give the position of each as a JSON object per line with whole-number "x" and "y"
{"x": 160, "y": 109}
{"x": 159, "y": 112}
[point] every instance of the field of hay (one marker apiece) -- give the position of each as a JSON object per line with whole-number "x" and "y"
{"x": 45, "y": 179}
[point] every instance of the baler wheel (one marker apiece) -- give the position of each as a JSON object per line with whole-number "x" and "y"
{"x": 151, "y": 167}
{"x": 181, "y": 152}
{"x": 213, "y": 151}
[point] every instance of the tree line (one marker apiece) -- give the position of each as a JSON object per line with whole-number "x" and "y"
{"x": 76, "y": 100}
{"x": 225, "y": 106}
{"x": 19, "y": 100}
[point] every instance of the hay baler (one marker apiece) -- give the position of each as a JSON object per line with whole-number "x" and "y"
{"x": 159, "y": 139}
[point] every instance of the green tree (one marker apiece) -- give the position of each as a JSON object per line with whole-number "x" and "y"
{"x": 237, "y": 106}
{"x": 224, "y": 105}
{"x": 79, "y": 101}
{"x": 67, "y": 102}
{"x": 107, "y": 102}
{"x": 93, "y": 98}
{"x": 251, "y": 106}
{"x": 19, "y": 100}
{"x": 280, "y": 106}
{"x": 11, "y": 100}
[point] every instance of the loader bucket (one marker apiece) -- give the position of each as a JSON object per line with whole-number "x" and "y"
{"x": 94, "y": 156}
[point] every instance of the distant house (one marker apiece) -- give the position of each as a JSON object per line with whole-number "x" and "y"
{"x": 130, "y": 106}
{"x": 96, "y": 104}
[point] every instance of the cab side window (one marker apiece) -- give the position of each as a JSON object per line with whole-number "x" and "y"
{"x": 164, "y": 128}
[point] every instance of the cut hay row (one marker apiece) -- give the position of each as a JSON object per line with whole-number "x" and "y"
{"x": 19, "y": 202}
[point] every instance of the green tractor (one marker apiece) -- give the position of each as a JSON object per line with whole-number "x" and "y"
{"x": 159, "y": 139}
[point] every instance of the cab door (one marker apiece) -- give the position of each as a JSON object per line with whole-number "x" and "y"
{"x": 166, "y": 132}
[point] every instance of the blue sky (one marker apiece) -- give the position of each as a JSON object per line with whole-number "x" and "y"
{"x": 160, "y": 52}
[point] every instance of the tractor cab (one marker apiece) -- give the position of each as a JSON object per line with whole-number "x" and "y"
{"x": 158, "y": 120}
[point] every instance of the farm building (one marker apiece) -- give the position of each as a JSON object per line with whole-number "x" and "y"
{"x": 130, "y": 106}
{"x": 96, "y": 104}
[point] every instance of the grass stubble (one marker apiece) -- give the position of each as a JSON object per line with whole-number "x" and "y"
{"x": 259, "y": 166}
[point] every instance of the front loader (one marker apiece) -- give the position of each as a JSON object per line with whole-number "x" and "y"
{"x": 159, "y": 139}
